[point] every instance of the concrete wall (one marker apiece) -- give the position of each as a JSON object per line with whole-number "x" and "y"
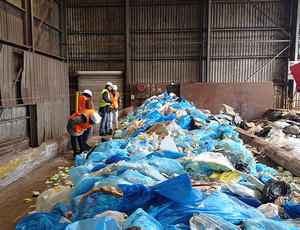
{"x": 13, "y": 167}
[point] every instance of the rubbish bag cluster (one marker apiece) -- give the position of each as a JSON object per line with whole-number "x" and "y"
{"x": 280, "y": 128}
{"x": 171, "y": 166}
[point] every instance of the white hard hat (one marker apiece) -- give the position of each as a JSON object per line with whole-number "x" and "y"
{"x": 115, "y": 87}
{"x": 95, "y": 117}
{"x": 109, "y": 84}
{"x": 87, "y": 91}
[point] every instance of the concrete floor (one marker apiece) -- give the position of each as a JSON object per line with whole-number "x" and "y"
{"x": 12, "y": 207}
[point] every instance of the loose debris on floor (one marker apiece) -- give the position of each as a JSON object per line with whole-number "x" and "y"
{"x": 171, "y": 166}
{"x": 60, "y": 178}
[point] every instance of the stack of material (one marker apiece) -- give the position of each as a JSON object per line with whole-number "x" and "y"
{"x": 172, "y": 167}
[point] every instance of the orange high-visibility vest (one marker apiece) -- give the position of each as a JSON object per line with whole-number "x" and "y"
{"x": 87, "y": 113}
{"x": 115, "y": 100}
{"x": 82, "y": 103}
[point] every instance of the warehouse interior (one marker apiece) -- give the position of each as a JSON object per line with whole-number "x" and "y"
{"x": 210, "y": 52}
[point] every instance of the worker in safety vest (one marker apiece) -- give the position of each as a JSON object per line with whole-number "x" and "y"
{"x": 86, "y": 102}
{"x": 104, "y": 109}
{"x": 115, "y": 98}
{"x": 77, "y": 124}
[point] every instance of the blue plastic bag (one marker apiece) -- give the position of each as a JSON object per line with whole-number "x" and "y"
{"x": 207, "y": 221}
{"x": 83, "y": 186}
{"x": 221, "y": 205}
{"x": 111, "y": 181}
{"x": 98, "y": 167}
{"x": 173, "y": 213}
{"x": 77, "y": 173}
{"x": 249, "y": 201}
{"x": 153, "y": 117}
{"x": 110, "y": 145}
{"x": 175, "y": 187}
{"x": 143, "y": 220}
{"x": 79, "y": 160}
{"x": 136, "y": 177}
{"x": 151, "y": 171}
{"x": 95, "y": 204}
{"x": 292, "y": 210}
{"x": 264, "y": 178}
{"x": 100, "y": 223}
{"x": 167, "y": 154}
{"x": 263, "y": 168}
{"x": 237, "y": 151}
{"x": 116, "y": 158}
{"x": 181, "y": 105}
{"x": 41, "y": 221}
{"x": 267, "y": 224}
{"x": 166, "y": 165}
{"x": 60, "y": 209}
{"x": 185, "y": 122}
{"x": 134, "y": 197}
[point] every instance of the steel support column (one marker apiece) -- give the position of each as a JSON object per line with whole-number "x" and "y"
{"x": 29, "y": 40}
{"x": 63, "y": 28}
{"x": 295, "y": 30}
{"x": 127, "y": 44}
{"x": 208, "y": 40}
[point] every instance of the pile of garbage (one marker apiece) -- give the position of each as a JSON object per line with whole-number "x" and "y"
{"x": 171, "y": 166}
{"x": 281, "y": 128}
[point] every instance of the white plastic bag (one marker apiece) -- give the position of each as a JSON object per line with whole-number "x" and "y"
{"x": 118, "y": 216}
{"x": 217, "y": 161}
{"x": 241, "y": 190}
{"x": 168, "y": 144}
{"x": 269, "y": 210}
{"x": 49, "y": 198}
{"x": 174, "y": 130}
{"x": 180, "y": 113}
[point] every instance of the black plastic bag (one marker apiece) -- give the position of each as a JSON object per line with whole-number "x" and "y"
{"x": 264, "y": 132}
{"x": 274, "y": 189}
{"x": 275, "y": 116}
{"x": 242, "y": 166}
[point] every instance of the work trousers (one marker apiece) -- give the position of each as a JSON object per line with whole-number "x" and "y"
{"x": 104, "y": 126}
{"x": 114, "y": 118}
{"x": 74, "y": 140}
{"x": 86, "y": 135}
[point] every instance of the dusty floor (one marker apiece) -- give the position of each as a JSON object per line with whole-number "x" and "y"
{"x": 12, "y": 206}
{"x": 13, "y": 209}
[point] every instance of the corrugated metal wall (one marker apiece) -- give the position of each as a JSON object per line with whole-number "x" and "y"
{"x": 45, "y": 83}
{"x": 169, "y": 38}
{"x": 47, "y": 21}
{"x": 14, "y": 129}
{"x": 49, "y": 36}
{"x": 244, "y": 37}
{"x": 12, "y": 17}
{"x": 166, "y": 41}
{"x": 95, "y": 32}
{"x": 7, "y": 76}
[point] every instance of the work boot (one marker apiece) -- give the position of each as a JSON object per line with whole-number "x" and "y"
{"x": 109, "y": 132}
{"x": 101, "y": 134}
{"x": 88, "y": 147}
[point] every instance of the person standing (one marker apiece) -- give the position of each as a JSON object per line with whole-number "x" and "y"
{"x": 86, "y": 102}
{"x": 77, "y": 124}
{"x": 115, "y": 98}
{"x": 104, "y": 109}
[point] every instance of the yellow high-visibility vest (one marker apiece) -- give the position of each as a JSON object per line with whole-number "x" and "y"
{"x": 103, "y": 103}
